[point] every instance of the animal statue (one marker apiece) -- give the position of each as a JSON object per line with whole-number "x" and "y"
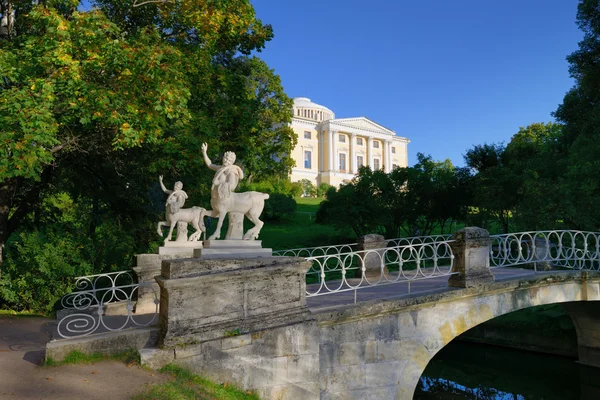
{"x": 250, "y": 204}
{"x": 194, "y": 216}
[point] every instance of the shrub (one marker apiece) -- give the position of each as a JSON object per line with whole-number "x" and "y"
{"x": 308, "y": 188}
{"x": 279, "y": 206}
{"x": 323, "y": 188}
{"x": 38, "y": 270}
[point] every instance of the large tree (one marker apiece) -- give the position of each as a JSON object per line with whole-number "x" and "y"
{"x": 92, "y": 102}
{"x": 579, "y": 144}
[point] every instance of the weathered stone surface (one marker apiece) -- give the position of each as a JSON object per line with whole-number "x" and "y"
{"x": 201, "y": 299}
{"x": 372, "y": 260}
{"x": 471, "y": 250}
{"x": 586, "y": 318}
{"x": 105, "y": 343}
{"x": 384, "y": 347}
{"x": 156, "y": 358}
{"x": 280, "y": 362}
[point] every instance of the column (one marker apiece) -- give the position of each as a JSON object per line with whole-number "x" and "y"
{"x": 330, "y": 150}
{"x": 334, "y": 150}
{"x": 353, "y": 169}
{"x": 388, "y": 156}
{"x": 321, "y": 137}
{"x": 369, "y": 159}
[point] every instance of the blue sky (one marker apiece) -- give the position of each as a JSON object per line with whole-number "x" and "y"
{"x": 447, "y": 74}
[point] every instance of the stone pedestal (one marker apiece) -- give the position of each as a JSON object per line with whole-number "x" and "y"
{"x": 182, "y": 232}
{"x": 236, "y": 226}
{"x": 471, "y": 249}
{"x": 373, "y": 260}
{"x": 203, "y": 300}
{"x": 181, "y": 249}
{"x": 232, "y": 249}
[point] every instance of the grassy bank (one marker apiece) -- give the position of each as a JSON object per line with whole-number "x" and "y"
{"x": 186, "y": 385}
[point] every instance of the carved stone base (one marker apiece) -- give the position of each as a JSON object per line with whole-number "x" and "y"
{"x": 232, "y": 249}
{"x": 183, "y": 249}
{"x": 204, "y": 299}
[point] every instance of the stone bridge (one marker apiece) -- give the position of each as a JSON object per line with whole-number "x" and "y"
{"x": 251, "y": 322}
{"x": 247, "y": 321}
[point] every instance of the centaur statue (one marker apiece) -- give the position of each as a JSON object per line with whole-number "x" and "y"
{"x": 175, "y": 213}
{"x": 224, "y": 200}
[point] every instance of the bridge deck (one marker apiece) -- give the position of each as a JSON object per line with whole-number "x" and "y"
{"x": 401, "y": 289}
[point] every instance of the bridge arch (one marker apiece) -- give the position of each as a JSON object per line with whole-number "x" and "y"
{"x": 382, "y": 349}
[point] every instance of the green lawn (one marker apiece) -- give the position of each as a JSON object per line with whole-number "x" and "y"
{"x": 302, "y": 230}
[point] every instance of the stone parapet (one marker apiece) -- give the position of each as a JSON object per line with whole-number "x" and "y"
{"x": 471, "y": 250}
{"x": 207, "y": 299}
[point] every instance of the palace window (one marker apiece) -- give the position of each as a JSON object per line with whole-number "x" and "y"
{"x": 359, "y": 161}
{"x": 393, "y": 150}
{"x": 342, "y": 162}
{"x": 375, "y": 146}
{"x": 307, "y": 159}
{"x": 306, "y": 135}
{"x": 359, "y": 142}
{"x": 394, "y": 166}
{"x": 342, "y": 138}
{"x": 375, "y": 163}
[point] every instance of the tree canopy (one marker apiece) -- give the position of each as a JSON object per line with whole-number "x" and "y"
{"x": 97, "y": 103}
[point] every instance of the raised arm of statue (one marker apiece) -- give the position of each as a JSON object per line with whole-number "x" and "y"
{"x": 207, "y": 161}
{"x": 162, "y": 185}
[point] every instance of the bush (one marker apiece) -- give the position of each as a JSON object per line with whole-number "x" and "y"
{"x": 323, "y": 188}
{"x": 279, "y": 206}
{"x": 38, "y": 270}
{"x": 308, "y": 188}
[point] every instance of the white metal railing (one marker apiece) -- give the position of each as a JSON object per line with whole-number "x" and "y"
{"x": 90, "y": 289}
{"x": 346, "y": 248}
{"x": 560, "y": 248}
{"x": 89, "y": 316}
{"x": 354, "y": 270}
{"x": 316, "y": 251}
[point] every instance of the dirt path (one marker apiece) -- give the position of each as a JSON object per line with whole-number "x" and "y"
{"x": 22, "y": 343}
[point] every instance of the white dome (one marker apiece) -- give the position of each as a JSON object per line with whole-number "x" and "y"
{"x": 304, "y": 108}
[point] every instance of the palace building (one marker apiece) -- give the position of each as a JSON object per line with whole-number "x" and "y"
{"x": 331, "y": 150}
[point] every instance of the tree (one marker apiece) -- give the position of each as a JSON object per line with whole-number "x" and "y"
{"x": 579, "y": 143}
{"x": 96, "y": 102}
{"x": 415, "y": 200}
{"x": 495, "y": 186}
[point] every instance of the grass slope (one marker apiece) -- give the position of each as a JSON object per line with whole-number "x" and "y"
{"x": 187, "y": 385}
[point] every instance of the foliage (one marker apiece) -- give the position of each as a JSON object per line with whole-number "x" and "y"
{"x": 279, "y": 206}
{"x": 414, "y": 199}
{"x": 95, "y": 104}
{"x": 308, "y": 188}
{"x": 40, "y": 275}
{"x": 273, "y": 185}
{"x": 495, "y": 185}
{"x": 576, "y": 149}
{"x": 302, "y": 230}
{"x": 190, "y": 386}
{"x": 322, "y": 189}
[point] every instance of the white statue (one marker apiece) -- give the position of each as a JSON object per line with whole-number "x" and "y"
{"x": 223, "y": 199}
{"x": 176, "y": 213}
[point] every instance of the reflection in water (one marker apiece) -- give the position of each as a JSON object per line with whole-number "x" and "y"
{"x": 471, "y": 371}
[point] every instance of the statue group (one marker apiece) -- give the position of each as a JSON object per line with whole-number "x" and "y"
{"x": 223, "y": 200}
